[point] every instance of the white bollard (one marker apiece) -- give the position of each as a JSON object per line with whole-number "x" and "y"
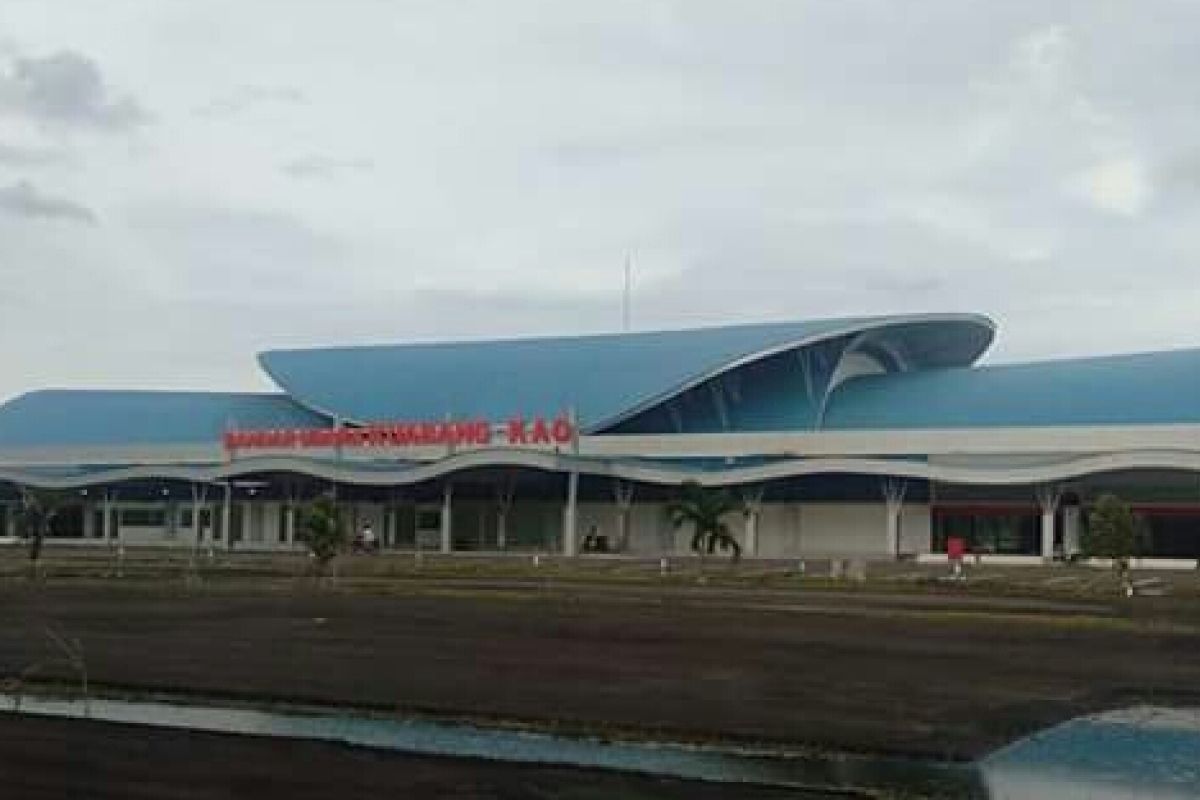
{"x": 537, "y": 561}
{"x": 662, "y": 566}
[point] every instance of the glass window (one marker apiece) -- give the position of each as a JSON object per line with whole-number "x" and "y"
{"x": 257, "y": 514}
{"x": 143, "y": 517}
{"x": 1004, "y": 533}
{"x": 185, "y": 519}
{"x": 1172, "y": 536}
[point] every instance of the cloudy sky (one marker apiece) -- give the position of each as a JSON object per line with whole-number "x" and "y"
{"x": 183, "y": 184}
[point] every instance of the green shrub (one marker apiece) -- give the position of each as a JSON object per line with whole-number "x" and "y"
{"x": 320, "y": 527}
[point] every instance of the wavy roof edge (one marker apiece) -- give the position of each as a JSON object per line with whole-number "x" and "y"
{"x": 869, "y": 320}
{"x": 1137, "y": 388}
{"x": 312, "y": 376}
{"x": 48, "y": 417}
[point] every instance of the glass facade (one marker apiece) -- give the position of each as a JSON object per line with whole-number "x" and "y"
{"x": 68, "y": 523}
{"x": 999, "y": 531}
{"x": 401, "y": 527}
{"x": 1171, "y": 534}
{"x": 143, "y": 517}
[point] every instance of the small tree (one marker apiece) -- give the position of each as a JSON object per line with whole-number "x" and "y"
{"x": 320, "y": 527}
{"x": 37, "y": 512}
{"x": 705, "y": 510}
{"x": 1114, "y": 532}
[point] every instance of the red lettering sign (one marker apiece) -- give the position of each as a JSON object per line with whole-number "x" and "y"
{"x": 477, "y": 433}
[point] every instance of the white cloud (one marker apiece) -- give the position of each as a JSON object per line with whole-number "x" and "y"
{"x": 244, "y": 98}
{"x": 64, "y": 88}
{"x": 32, "y": 155}
{"x": 1121, "y": 186}
{"x": 322, "y": 166}
{"x": 23, "y": 199}
{"x": 1042, "y": 57}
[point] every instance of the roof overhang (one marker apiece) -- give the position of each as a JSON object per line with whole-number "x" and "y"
{"x": 606, "y": 379}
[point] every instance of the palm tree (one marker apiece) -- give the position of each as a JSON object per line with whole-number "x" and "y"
{"x": 37, "y": 512}
{"x": 705, "y": 509}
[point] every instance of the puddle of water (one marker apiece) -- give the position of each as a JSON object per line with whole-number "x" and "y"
{"x": 907, "y": 778}
{"x": 1144, "y": 752}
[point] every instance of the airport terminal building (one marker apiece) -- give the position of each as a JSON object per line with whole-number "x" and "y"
{"x": 876, "y": 437}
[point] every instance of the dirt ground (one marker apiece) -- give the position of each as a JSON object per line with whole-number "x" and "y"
{"x": 50, "y": 759}
{"x": 927, "y": 676}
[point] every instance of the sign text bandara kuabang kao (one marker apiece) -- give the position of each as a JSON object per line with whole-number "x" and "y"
{"x": 479, "y": 433}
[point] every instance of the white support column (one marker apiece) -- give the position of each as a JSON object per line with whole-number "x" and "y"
{"x": 243, "y": 527}
{"x": 199, "y": 495}
{"x": 447, "y": 518}
{"x": 504, "y": 501}
{"x": 287, "y": 517}
{"x": 289, "y": 524}
{"x": 89, "y": 521}
{"x": 390, "y": 520}
{"x": 894, "y": 490}
{"x": 1048, "y": 497}
{"x": 227, "y": 517}
{"x": 105, "y": 523}
{"x": 1071, "y": 543}
{"x": 571, "y": 515}
{"x": 752, "y": 499}
{"x": 112, "y": 528}
{"x": 623, "y": 494}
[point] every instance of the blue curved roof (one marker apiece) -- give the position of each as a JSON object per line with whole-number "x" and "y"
{"x": 1136, "y": 389}
{"x": 603, "y": 378}
{"x": 59, "y": 417}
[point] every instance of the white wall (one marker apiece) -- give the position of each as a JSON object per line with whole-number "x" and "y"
{"x": 785, "y": 530}
{"x": 916, "y": 529}
{"x": 779, "y": 530}
{"x": 843, "y": 529}
{"x": 858, "y": 529}
{"x": 650, "y": 531}
{"x": 256, "y": 522}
